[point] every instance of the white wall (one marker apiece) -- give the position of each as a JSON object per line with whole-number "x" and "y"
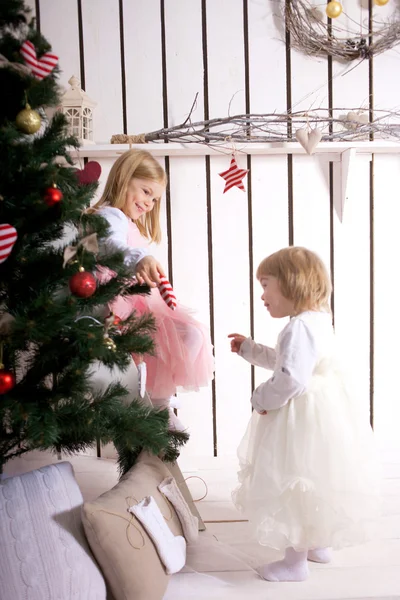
{"x": 204, "y": 47}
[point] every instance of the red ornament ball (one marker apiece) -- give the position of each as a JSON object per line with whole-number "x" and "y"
{"x": 52, "y": 196}
{"x": 117, "y": 321}
{"x": 82, "y": 284}
{"x": 7, "y": 381}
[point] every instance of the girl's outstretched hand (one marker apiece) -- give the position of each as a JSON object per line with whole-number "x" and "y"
{"x": 236, "y": 341}
{"x": 149, "y": 270}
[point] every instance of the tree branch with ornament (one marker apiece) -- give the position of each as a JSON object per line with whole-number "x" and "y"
{"x": 55, "y": 327}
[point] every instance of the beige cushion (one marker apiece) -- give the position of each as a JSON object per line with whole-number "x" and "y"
{"x": 121, "y": 545}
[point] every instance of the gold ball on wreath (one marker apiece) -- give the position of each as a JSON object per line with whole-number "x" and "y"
{"x": 334, "y": 9}
{"x": 28, "y": 120}
{"x": 381, "y": 2}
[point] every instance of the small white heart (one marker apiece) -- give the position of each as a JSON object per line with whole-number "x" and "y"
{"x": 360, "y": 118}
{"x": 309, "y": 141}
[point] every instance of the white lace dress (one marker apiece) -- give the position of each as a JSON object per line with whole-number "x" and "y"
{"x": 308, "y": 473}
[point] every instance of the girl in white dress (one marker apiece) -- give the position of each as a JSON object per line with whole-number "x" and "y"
{"x": 308, "y": 478}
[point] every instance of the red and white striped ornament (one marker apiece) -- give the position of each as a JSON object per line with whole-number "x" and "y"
{"x": 233, "y": 176}
{"x": 40, "y": 67}
{"x": 8, "y": 237}
{"x": 167, "y": 293}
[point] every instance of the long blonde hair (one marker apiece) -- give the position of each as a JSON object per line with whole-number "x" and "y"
{"x": 302, "y": 277}
{"x": 142, "y": 165}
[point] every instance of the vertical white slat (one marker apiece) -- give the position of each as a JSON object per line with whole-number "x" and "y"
{"x": 103, "y": 65}
{"x": 267, "y": 58}
{"x": 387, "y": 288}
{"x": 225, "y": 57}
{"x": 270, "y": 233}
{"x": 65, "y": 39}
{"x": 350, "y": 79}
{"x": 229, "y": 213}
{"x": 143, "y": 65}
{"x": 184, "y": 53}
{"x": 309, "y": 81}
{"x": 230, "y": 246}
{"x": 190, "y": 271}
{"x": 386, "y": 91}
{"x": 386, "y": 83}
{"x": 352, "y": 279}
{"x": 311, "y": 199}
{"x": 311, "y": 205}
{"x": 189, "y": 231}
{"x": 269, "y": 174}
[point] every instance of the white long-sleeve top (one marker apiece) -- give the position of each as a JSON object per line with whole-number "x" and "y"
{"x": 118, "y": 236}
{"x": 292, "y": 361}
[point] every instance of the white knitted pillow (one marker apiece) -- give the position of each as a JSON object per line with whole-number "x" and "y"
{"x": 43, "y": 550}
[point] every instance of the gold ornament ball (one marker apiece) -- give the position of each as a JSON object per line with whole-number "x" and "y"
{"x": 334, "y": 9}
{"x": 381, "y": 2}
{"x": 28, "y": 120}
{"x": 110, "y": 344}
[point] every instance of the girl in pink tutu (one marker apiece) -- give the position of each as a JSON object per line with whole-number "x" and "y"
{"x": 131, "y": 204}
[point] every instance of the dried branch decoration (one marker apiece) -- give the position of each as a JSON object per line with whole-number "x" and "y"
{"x": 312, "y": 35}
{"x": 350, "y": 124}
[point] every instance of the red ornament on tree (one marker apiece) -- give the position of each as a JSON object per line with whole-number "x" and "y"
{"x": 53, "y": 195}
{"x": 82, "y": 284}
{"x": 7, "y": 381}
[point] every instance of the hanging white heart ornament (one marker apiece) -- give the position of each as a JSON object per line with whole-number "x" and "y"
{"x": 309, "y": 140}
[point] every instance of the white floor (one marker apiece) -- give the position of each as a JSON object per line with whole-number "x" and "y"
{"x": 222, "y": 565}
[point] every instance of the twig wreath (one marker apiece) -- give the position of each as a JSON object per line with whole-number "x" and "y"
{"x": 311, "y": 33}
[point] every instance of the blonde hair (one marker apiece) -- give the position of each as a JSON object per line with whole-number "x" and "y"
{"x": 142, "y": 165}
{"x": 302, "y": 277}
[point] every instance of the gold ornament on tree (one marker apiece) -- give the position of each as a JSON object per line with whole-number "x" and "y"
{"x": 28, "y": 120}
{"x": 381, "y": 2}
{"x": 334, "y": 9}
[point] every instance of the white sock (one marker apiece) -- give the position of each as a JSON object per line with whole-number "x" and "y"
{"x": 175, "y": 424}
{"x": 174, "y": 402}
{"x": 293, "y": 567}
{"x": 190, "y": 523}
{"x": 320, "y": 555}
{"x": 171, "y": 549}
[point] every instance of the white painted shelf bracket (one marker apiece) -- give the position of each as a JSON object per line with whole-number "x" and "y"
{"x": 341, "y": 172}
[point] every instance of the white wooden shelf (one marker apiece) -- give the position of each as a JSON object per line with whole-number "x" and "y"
{"x": 342, "y": 154}
{"x": 173, "y": 149}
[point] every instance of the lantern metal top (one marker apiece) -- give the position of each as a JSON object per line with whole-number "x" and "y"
{"x": 75, "y": 96}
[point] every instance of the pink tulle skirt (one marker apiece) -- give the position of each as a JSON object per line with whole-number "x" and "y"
{"x": 184, "y": 354}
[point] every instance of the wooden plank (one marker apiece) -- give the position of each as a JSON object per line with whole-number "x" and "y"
{"x": 103, "y": 65}
{"x": 267, "y": 58}
{"x": 352, "y": 285}
{"x": 229, "y": 215}
{"x": 65, "y": 39}
{"x": 331, "y": 151}
{"x": 387, "y": 289}
{"x": 143, "y": 65}
{"x": 311, "y": 206}
{"x": 270, "y": 233}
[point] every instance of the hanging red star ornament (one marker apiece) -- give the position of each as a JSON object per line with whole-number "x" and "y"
{"x": 233, "y": 176}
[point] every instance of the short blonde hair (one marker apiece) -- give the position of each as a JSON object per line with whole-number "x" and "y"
{"x": 302, "y": 277}
{"x": 142, "y": 165}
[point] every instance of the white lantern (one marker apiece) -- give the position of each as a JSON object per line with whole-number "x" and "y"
{"x": 78, "y": 108}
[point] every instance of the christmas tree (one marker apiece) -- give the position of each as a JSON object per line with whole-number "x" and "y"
{"x": 53, "y": 321}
